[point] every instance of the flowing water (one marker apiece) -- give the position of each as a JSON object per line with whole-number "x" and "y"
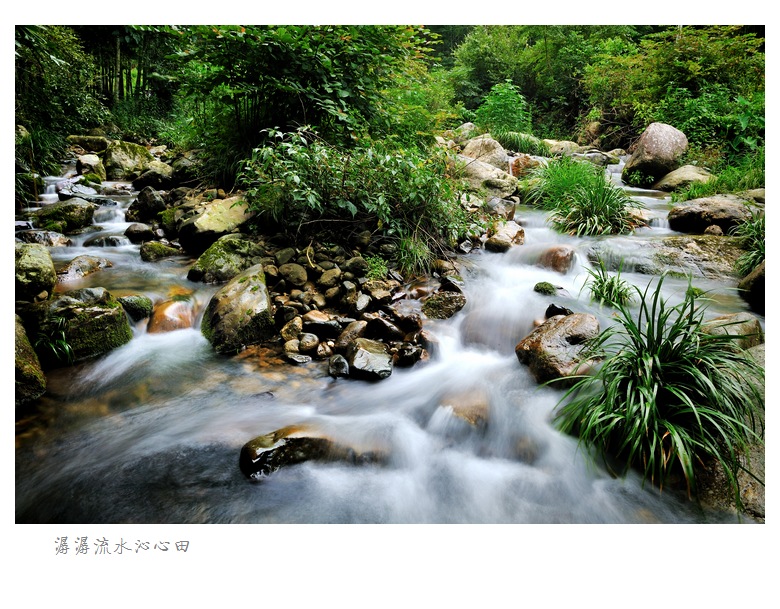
{"x": 151, "y": 432}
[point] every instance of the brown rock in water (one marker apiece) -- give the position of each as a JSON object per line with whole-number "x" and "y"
{"x": 554, "y": 349}
{"x": 559, "y": 258}
{"x": 171, "y": 315}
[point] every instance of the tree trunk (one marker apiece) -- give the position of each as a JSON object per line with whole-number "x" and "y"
{"x": 117, "y": 72}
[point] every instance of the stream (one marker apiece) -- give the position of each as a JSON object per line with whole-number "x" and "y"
{"x": 151, "y": 432}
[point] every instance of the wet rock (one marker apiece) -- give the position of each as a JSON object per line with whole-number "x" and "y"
{"x": 147, "y": 205}
{"x": 471, "y": 406}
{"x": 546, "y": 288}
{"x": 240, "y": 313}
{"x": 338, "y": 366}
{"x": 225, "y": 258}
{"x": 107, "y": 241}
{"x": 292, "y": 445}
{"x": 696, "y": 215}
{"x": 138, "y": 233}
{"x": 506, "y": 236}
{"x": 294, "y": 274}
{"x": 91, "y": 163}
{"x": 44, "y": 237}
{"x": 65, "y": 216}
{"x": 321, "y": 324}
{"x": 171, "y": 315}
{"x": 554, "y": 310}
{"x": 34, "y": 270}
{"x": 329, "y": 279}
{"x": 753, "y": 289}
{"x": 155, "y": 250}
{"x": 355, "y": 329}
{"x": 95, "y": 322}
{"x": 125, "y": 160}
{"x": 292, "y": 329}
{"x": 156, "y": 175}
{"x": 137, "y": 306}
{"x": 308, "y": 342}
{"x": 30, "y": 381}
{"x": 682, "y": 177}
{"x": 369, "y": 359}
{"x": 554, "y": 349}
{"x": 443, "y": 305}
{"x": 657, "y": 152}
{"x": 210, "y": 221}
{"x": 407, "y": 355}
{"x": 559, "y": 258}
{"x": 380, "y": 328}
{"x": 81, "y": 266}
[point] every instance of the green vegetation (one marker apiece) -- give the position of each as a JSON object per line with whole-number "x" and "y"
{"x": 668, "y": 396}
{"x": 408, "y": 195}
{"x": 747, "y": 172}
{"x": 377, "y": 267}
{"x": 52, "y": 344}
{"x": 581, "y": 199}
{"x": 608, "y": 289}
{"x": 504, "y": 109}
{"x": 752, "y": 236}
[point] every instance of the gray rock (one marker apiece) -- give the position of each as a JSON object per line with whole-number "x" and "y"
{"x": 369, "y": 359}
{"x": 682, "y": 177}
{"x": 507, "y": 235}
{"x": 211, "y": 221}
{"x": 696, "y": 215}
{"x": 30, "y": 381}
{"x": 225, "y": 258}
{"x": 753, "y": 289}
{"x": 81, "y": 266}
{"x": 487, "y": 150}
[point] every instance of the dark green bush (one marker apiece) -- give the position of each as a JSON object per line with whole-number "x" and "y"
{"x": 409, "y": 195}
{"x": 667, "y": 395}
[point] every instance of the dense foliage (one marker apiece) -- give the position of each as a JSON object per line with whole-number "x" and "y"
{"x": 409, "y": 196}
{"x": 668, "y": 394}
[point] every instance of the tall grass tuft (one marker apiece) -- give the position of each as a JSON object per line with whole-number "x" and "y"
{"x": 610, "y": 290}
{"x": 668, "y": 396}
{"x": 556, "y": 180}
{"x": 752, "y": 237}
{"x": 521, "y": 142}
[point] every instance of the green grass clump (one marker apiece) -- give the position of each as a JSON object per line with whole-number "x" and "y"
{"x": 377, "y": 267}
{"x": 747, "y": 173}
{"x": 557, "y": 179}
{"x": 521, "y": 142}
{"x": 668, "y": 396}
{"x": 608, "y": 289}
{"x": 752, "y": 238}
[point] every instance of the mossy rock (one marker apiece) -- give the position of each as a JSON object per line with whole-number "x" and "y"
{"x": 155, "y": 250}
{"x": 546, "y": 288}
{"x": 137, "y": 306}
{"x": 66, "y": 216}
{"x": 225, "y": 259}
{"x": 443, "y": 305}
{"x": 30, "y": 379}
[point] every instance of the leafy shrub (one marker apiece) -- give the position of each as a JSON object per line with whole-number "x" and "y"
{"x": 608, "y": 289}
{"x": 752, "y": 236}
{"x": 406, "y": 194}
{"x": 668, "y": 395}
{"x": 52, "y": 344}
{"x": 504, "y": 108}
{"x": 377, "y": 267}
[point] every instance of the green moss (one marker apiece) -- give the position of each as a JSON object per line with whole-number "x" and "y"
{"x": 92, "y": 178}
{"x": 546, "y": 288}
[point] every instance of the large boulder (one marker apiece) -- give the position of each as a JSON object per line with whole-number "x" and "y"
{"x": 487, "y": 150}
{"x": 125, "y": 160}
{"x": 30, "y": 379}
{"x": 94, "y": 321}
{"x": 152, "y": 251}
{"x": 657, "y": 152}
{"x": 35, "y": 274}
{"x": 94, "y": 143}
{"x": 225, "y": 259}
{"x": 65, "y": 216}
{"x": 239, "y": 314}
{"x": 697, "y": 215}
{"x": 554, "y": 350}
{"x": 483, "y": 177}
{"x": 211, "y": 221}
